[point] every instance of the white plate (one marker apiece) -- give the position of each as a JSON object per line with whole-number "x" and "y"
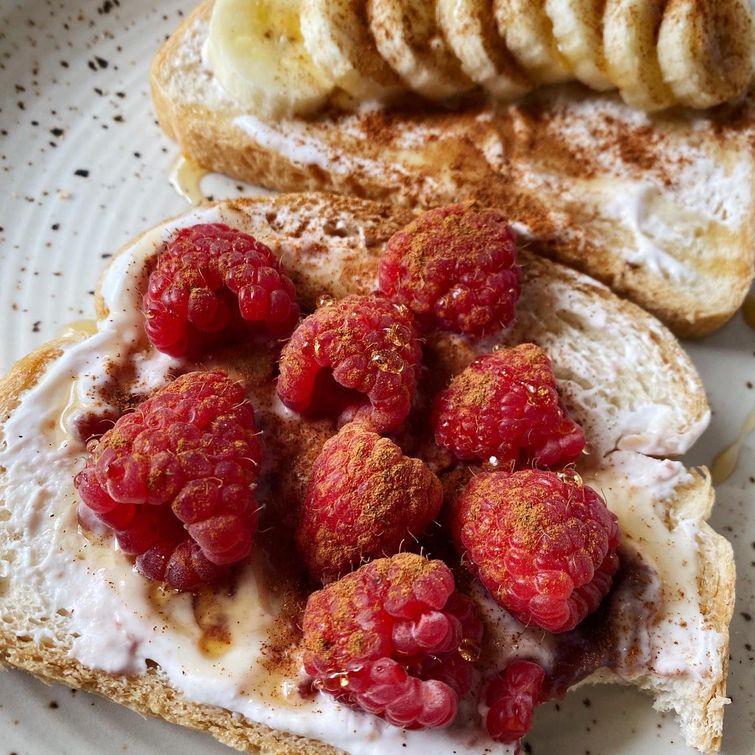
{"x": 73, "y": 82}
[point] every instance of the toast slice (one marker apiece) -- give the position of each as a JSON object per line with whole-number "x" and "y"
{"x": 660, "y": 208}
{"x": 73, "y": 610}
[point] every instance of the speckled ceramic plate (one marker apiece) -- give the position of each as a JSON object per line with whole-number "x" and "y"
{"x": 84, "y": 168}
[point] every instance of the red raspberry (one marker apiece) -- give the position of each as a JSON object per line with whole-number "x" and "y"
{"x": 544, "y": 544}
{"x": 512, "y": 697}
{"x": 505, "y": 406}
{"x": 455, "y": 268}
{"x": 365, "y": 499}
{"x": 173, "y": 479}
{"x": 212, "y": 281}
{"x": 395, "y": 639}
{"x": 356, "y": 357}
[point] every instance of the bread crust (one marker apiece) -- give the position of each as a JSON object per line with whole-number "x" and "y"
{"x": 460, "y": 168}
{"x": 151, "y": 693}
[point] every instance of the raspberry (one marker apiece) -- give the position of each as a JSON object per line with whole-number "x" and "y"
{"x": 544, "y": 544}
{"x": 356, "y": 357}
{"x": 212, "y": 282}
{"x": 173, "y": 480}
{"x": 512, "y": 697}
{"x": 395, "y": 639}
{"x": 365, "y": 499}
{"x": 455, "y": 268}
{"x": 505, "y": 407}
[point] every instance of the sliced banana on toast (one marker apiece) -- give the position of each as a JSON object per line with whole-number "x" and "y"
{"x": 284, "y": 58}
{"x": 409, "y": 39}
{"x": 337, "y": 37}
{"x": 630, "y": 33}
{"x": 578, "y": 29}
{"x": 528, "y": 32}
{"x": 705, "y": 49}
{"x": 470, "y": 30}
{"x": 257, "y": 53}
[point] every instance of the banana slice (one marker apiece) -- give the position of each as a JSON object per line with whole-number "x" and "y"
{"x": 338, "y": 39}
{"x": 578, "y": 29}
{"x": 528, "y": 32}
{"x": 408, "y": 37}
{"x": 630, "y": 32}
{"x": 705, "y": 48}
{"x": 256, "y": 51}
{"x": 470, "y": 30}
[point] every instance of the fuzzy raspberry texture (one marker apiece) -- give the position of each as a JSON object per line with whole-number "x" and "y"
{"x": 505, "y": 407}
{"x": 174, "y": 480}
{"x": 395, "y": 639}
{"x": 357, "y": 357}
{"x": 543, "y": 544}
{"x": 213, "y": 282}
{"x": 455, "y": 268}
{"x": 365, "y": 499}
{"x": 512, "y": 697}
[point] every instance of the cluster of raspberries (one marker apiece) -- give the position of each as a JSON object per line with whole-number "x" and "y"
{"x": 388, "y": 632}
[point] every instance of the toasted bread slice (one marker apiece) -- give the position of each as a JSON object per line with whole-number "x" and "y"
{"x": 72, "y": 609}
{"x": 660, "y": 208}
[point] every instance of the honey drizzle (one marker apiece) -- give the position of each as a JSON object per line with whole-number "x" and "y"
{"x": 70, "y": 400}
{"x": 186, "y": 177}
{"x": 73, "y": 404}
{"x": 725, "y": 462}
{"x": 748, "y": 310}
{"x": 212, "y": 619}
{"x": 78, "y": 328}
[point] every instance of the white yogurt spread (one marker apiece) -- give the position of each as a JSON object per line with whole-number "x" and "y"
{"x": 635, "y": 487}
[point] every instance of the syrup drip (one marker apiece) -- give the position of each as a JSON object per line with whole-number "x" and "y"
{"x": 74, "y": 330}
{"x": 72, "y": 407}
{"x": 571, "y": 476}
{"x": 469, "y": 650}
{"x": 725, "y": 462}
{"x": 216, "y": 638}
{"x": 748, "y": 310}
{"x": 160, "y": 596}
{"x": 396, "y": 336}
{"x": 388, "y": 361}
{"x": 78, "y": 328}
{"x": 186, "y": 177}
